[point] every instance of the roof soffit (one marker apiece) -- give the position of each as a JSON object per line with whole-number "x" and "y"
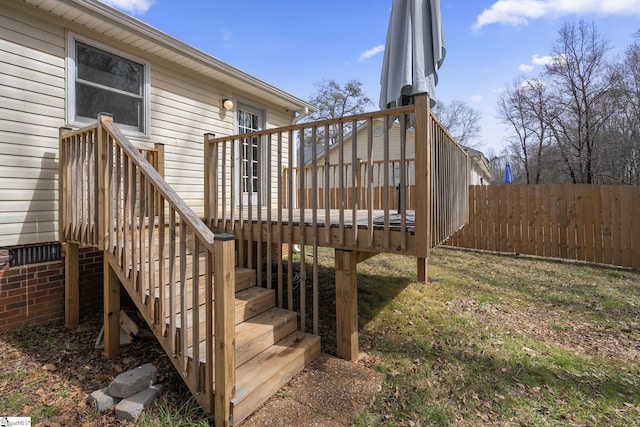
{"x": 109, "y": 22}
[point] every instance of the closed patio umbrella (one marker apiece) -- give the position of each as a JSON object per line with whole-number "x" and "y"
{"x": 508, "y": 175}
{"x": 414, "y": 51}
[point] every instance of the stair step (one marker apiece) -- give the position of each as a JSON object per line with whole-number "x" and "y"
{"x": 249, "y": 302}
{"x": 258, "y": 333}
{"x": 261, "y": 377}
{"x": 245, "y": 278}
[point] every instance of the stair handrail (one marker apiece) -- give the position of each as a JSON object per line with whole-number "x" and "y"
{"x": 192, "y": 220}
{"x": 219, "y": 311}
{"x": 90, "y": 158}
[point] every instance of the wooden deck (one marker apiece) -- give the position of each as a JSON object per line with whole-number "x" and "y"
{"x": 180, "y": 269}
{"x": 383, "y": 232}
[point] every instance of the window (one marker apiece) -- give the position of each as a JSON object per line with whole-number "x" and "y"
{"x": 103, "y": 81}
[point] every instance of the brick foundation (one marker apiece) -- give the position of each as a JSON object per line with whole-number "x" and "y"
{"x": 34, "y": 294}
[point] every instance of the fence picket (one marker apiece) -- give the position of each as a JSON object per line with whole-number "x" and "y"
{"x": 579, "y": 222}
{"x": 585, "y": 222}
{"x": 605, "y": 211}
{"x": 626, "y": 249}
{"x": 635, "y": 228}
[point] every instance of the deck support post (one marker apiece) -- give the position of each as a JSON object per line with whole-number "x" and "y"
{"x": 224, "y": 325}
{"x": 424, "y": 171}
{"x": 111, "y": 287}
{"x": 347, "y": 304}
{"x": 422, "y": 270}
{"x": 71, "y": 286}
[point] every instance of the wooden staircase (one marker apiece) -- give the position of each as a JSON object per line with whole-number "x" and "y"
{"x": 269, "y": 347}
{"x": 231, "y": 344}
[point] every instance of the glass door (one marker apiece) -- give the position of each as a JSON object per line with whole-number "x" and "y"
{"x": 249, "y": 155}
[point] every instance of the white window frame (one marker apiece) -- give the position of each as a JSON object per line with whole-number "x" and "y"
{"x": 72, "y": 119}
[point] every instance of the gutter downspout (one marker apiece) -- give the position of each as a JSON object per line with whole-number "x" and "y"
{"x": 296, "y": 119}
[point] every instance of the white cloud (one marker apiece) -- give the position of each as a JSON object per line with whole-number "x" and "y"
{"x": 371, "y": 52}
{"x": 520, "y": 12}
{"x": 136, "y": 7}
{"x": 475, "y": 98}
{"x": 542, "y": 60}
{"x": 538, "y": 60}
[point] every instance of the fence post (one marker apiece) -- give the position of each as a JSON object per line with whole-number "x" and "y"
{"x": 423, "y": 183}
{"x": 224, "y": 324}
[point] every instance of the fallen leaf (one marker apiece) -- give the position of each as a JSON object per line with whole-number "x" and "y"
{"x": 50, "y": 367}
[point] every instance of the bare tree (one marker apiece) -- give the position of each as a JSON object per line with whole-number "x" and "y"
{"x": 335, "y": 100}
{"x": 621, "y": 163}
{"x": 522, "y": 106}
{"x": 461, "y": 121}
{"x": 497, "y": 163}
{"x": 579, "y": 105}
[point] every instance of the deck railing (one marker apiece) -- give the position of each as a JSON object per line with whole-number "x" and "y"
{"x": 365, "y": 172}
{"x": 273, "y": 204}
{"x": 113, "y": 198}
{"x": 450, "y": 184}
{"x": 378, "y": 183}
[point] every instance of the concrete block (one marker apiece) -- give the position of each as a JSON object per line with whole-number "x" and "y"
{"x": 101, "y": 400}
{"x": 132, "y": 407}
{"x": 131, "y": 382}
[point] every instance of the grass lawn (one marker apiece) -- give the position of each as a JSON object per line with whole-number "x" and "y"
{"x": 500, "y": 340}
{"x": 490, "y": 340}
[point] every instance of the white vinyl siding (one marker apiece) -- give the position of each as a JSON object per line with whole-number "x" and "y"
{"x": 377, "y": 153}
{"x": 183, "y": 106}
{"x": 32, "y": 72}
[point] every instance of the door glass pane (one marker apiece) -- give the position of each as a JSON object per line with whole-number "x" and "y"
{"x": 249, "y": 122}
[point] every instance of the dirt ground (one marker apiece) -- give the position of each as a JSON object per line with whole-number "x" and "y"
{"x": 48, "y": 372}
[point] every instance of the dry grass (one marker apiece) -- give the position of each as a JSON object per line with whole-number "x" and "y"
{"x": 501, "y": 340}
{"x": 491, "y": 340}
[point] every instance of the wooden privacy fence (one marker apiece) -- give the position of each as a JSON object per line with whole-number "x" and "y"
{"x": 595, "y": 223}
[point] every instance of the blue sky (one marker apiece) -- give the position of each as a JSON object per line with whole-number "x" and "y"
{"x": 295, "y": 44}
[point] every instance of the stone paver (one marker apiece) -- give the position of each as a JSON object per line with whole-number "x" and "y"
{"x": 100, "y": 400}
{"x": 133, "y": 381}
{"x": 132, "y": 407}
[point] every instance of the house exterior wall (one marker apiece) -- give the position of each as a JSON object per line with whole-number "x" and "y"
{"x": 377, "y": 155}
{"x": 33, "y": 51}
{"x": 476, "y": 174}
{"x": 32, "y": 108}
{"x": 477, "y": 177}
